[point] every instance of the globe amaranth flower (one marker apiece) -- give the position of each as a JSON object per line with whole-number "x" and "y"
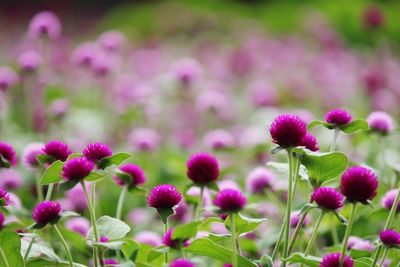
{"x": 310, "y": 142}
{"x": 359, "y": 184}
{"x": 150, "y": 238}
{"x": 333, "y": 260}
{"x": 218, "y": 139}
{"x": 2, "y": 219}
{"x": 144, "y": 139}
{"x": 380, "y": 122}
{"x": 373, "y": 17}
{"x": 96, "y": 151}
{"x": 4, "y": 197}
{"x": 202, "y": 168}
{"x": 390, "y": 238}
{"x": 389, "y": 198}
{"x": 230, "y": 200}
{"x": 111, "y": 40}
{"x": 29, "y": 61}
{"x": 186, "y": 70}
{"x": 7, "y": 154}
{"x": 173, "y": 243}
{"x": 46, "y": 212}
{"x": 327, "y": 198}
{"x": 295, "y": 219}
{"x": 110, "y": 262}
{"x": 8, "y": 78}
{"x": 30, "y": 153}
{"x": 79, "y": 225}
{"x": 259, "y": 180}
{"x": 77, "y": 168}
{"x": 338, "y": 117}
{"x": 135, "y": 175}
{"x": 182, "y": 263}
{"x": 364, "y": 245}
{"x": 288, "y": 130}
{"x": 164, "y": 197}
{"x": 10, "y": 179}
{"x": 45, "y": 23}
{"x": 56, "y": 150}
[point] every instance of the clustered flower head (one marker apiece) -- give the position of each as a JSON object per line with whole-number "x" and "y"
{"x": 8, "y": 78}
{"x": 30, "y": 153}
{"x": 295, "y": 219}
{"x": 45, "y": 23}
{"x": 389, "y": 198}
{"x": 182, "y": 263}
{"x": 230, "y": 200}
{"x": 77, "y": 168}
{"x": 4, "y": 197}
{"x": 202, "y": 168}
{"x": 338, "y": 117}
{"x": 29, "y": 61}
{"x": 310, "y": 142}
{"x": 46, "y": 212}
{"x": 259, "y": 180}
{"x": 96, "y": 151}
{"x": 57, "y": 150}
{"x": 288, "y": 131}
{"x": 380, "y": 122}
{"x": 327, "y": 198}
{"x": 135, "y": 173}
{"x": 8, "y": 155}
{"x": 390, "y": 238}
{"x": 164, "y": 197}
{"x": 359, "y": 184}
{"x": 173, "y": 243}
{"x": 333, "y": 260}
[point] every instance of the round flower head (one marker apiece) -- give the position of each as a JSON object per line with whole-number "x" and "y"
{"x": 310, "y": 142}
{"x": 338, "y": 117}
{"x": 202, "y": 168}
{"x": 295, "y": 219}
{"x": 364, "y": 245}
{"x": 79, "y": 225}
{"x": 359, "y": 184}
{"x": 57, "y": 150}
{"x": 182, "y": 263}
{"x": 144, "y": 139}
{"x": 258, "y": 180}
{"x": 46, "y": 212}
{"x": 8, "y": 78}
{"x": 4, "y": 197}
{"x": 45, "y": 23}
{"x": 173, "y": 243}
{"x": 77, "y": 168}
{"x": 333, "y": 260}
{"x": 59, "y": 107}
{"x": 150, "y": 238}
{"x": 218, "y": 139}
{"x": 135, "y": 173}
{"x": 83, "y": 55}
{"x": 380, "y": 122}
{"x": 390, "y": 238}
{"x": 288, "y": 130}
{"x": 29, "y": 61}
{"x": 96, "y": 151}
{"x": 110, "y": 262}
{"x": 230, "y": 200}
{"x": 164, "y": 197}
{"x": 388, "y": 200}
{"x": 186, "y": 70}
{"x": 7, "y": 154}
{"x": 30, "y": 153}
{"x": 373, "y": 17}
{"x": 10, "y": 179}
{"x": 111, "y": 40}
{"x": 327, "y": 198}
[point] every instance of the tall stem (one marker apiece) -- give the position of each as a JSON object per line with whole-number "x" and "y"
{"x": 288, "y": 206}
{"x": 347, "y": 233}
{"x": 65, "y": 245}
{"x": 39, "y": 189}
{"x": 296, "y": 175}
{"x": 335, "y": 137}
{"x": 298, "y": 228}
{"x": 29, "y": 248}
{"x": 199, "y": 203}
{"x": 121, "y": 202}
{"x": 49, "y": 191}
{"x": 278, "y": 242}
{"x": 165, "y": 232}
{"x": 234, "y": 247}
{"x": 385, "y": 254}
{"x": 4, "y": 257}
{"x": 314, "y": 234}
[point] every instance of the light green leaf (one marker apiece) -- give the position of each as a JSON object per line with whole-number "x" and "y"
{"x": 68, "y": 214}
{"x": 95, "y": 176}
{"x": 114, "y": 245}
{"x": 266, "y": 261}
{"x": 354, "y": 126}
{"x": 185, "y": 231}
{"x": 115, "y": 159}
{"x": 243, "y": 224}
{"x": 53, "y": 173}
{"x": 314, "y": 123}
{"x": 157, "y": 252}
{"x": 165, "y": 214}
{"x": 10, "y": 243}
{"x": 39, "y": 250}
{"x": 363, "y": 262}
{"x": 110, "y": 227}
{"x": 357, "y": 253}
{"x": 130, "y": 249}
{"x": 310, "y": 261}
{"x": 284, "y": 168}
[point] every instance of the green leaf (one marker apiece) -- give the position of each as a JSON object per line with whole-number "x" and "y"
{"x": 95, "y": 176}
{"x": 74, "y": 155}
{"x": 157, "y": 252}
{"x": 115, "y": 159}
{"x": 341, "y": 218}
{"x": 68, "y": 214}
{"x": 354, "y": 126}
{"x": 363, "y": 262}
{"x": 130, "y": 250}
{"x": 307, "y": 207}
{"x": 213, "y": 186}
{"x": 314, "y": 123}
{"x": 357, "y": 253}
{"x": 4, "y": 163}
{"x": 68, "y": 185}
{"x": 110, "y": 227}
{"x": 284, "y": 168}
{"x": 10, "y": 243}
{"x": 43, "y": 158}
{"x": 243, "y": 224}
{"x": 310, "y": 261}
{"x": 165, "y": 213}
{"x": 113, "y": 245}
{"x": 209, "y": 220}
{"x": 205, "y": 247}
{"x": 266, "y": 261}
{"x": 28, "y": 235}
{"x": 39, "y": 250}
{"x": 53, "y": 173}
{"x": 185, "y": 231}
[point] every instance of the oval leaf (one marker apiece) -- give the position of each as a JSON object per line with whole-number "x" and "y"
{"x": 52, "y": 174}
{"x": 110, "y": 227}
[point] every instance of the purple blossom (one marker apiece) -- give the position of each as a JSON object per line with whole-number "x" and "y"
{"x": 2, "y": 220}
{"x": 96, "y": 151}
{"x": 202, "y": 168}
{"x": 46, "y": 212}
{"x": 295, "y": 219}
{"x": 338, "y": 117}
{"x": 328, "y": 198}
{"x": 186, "y": 70}
{"x": 359, "y": 184}
{"x": 149, "y": 238}
{"x": 288, "y": 130}
{"x": 7, "y": 153}
{"x": 77, "y": 168}
{"x": 373, "y": 17}
{"x": 230, "y": 200}
{"x": 29, "y": 61}
{"x": 259, "y": 180}
{"x": 8, "y": 78}
{"x": 164, "y": 197}
{"x": 389, "y": 198}
{"x": 4, "y": 197}
{"x": 333, "y": 260}
{"x": 79, "y": 225}
{"x": 390, "y": 238}
{"x": 173, "y": 243}
{"x": 111, "y": 40}
{"x": 144, "y": 139}
{"x": 57, "y": 150}
{"x": 182, "y": 263}
{"x": 45, "y": 23}
{"x": 380, "y": 121}
{"x": 218, "y": 139}
{"x": 135, "y": 173}
{"x": 30, "y": 153}
{"x": 310, "y": 142}
{"x": 10, "y": 179}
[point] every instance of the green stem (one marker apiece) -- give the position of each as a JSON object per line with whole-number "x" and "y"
{"x": 298, "y": 229}
{"x": 4, "y": 257}
{"x": 278, "y": 242}
{"x": 335, "y": 137}
{"x": 378, "y": 252}
{"x": 121, "y": 202}
{"x": 234, "y": 247}
{"x": 288, "y": 206}
{"x": 29, "y": 248}
{"x": 65, "y": 245}
{"x": 314, "y": 234}
{"x": 199, "y": 203}
{"x": 347, "y": 233}
{"x": 385, "y": 254}
{"x": 296, "y": 175}
{"x": 165, "y": 232}
{"x": 39, "y": 190}
{"x": 49, "y": 192}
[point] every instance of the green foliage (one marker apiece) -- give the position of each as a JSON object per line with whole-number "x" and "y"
{"x": 10, "y": 246}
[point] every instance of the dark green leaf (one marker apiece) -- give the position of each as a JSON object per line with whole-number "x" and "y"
{"x": 185, "y": 231}
{"x": 165, "y": 213}
{"x": 68, "y": 185}
{"x": 355, "y": 125}
{"x": 68, "y": 214}
{"x": 53, "y": 173}
{"x": 213, "y": 186}
{"x": 243, "y": 224}
{"x": 43, "y": 158}
{"x": 316, "y": 122}
{"x": 276, "y": 149}
{"x": 363, "y": 262}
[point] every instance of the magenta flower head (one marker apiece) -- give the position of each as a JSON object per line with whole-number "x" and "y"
{"x": 150, "y": 238}
{"x": 186, "y": 70}
{"x": 338, "y": 117}
{"x": 333, "y": 260}
{"x": 111, "y": 40}
{"x": 96, "y": 151}
{"x": 295, "y": 219}
{"x": 310, "y": 142}
{"x": 390, "y": 238}
{"x": 380, "y": 122}
{"x": 359, "y": 184}
{"x": 130, "y": 174}
{"x": 46, "y": 212}
{"x": 83, "y": 55}
{"x": 56, "y": 150}
{"x": 29, "y": 61}
{"x": 288, "y": 130}
{"x": 218, "y": 139}
{"x": 8, "y": 78}
{"x": 202, "y": 168}
{"x": 173, "y": 243}
{"x": 2, "y": 219}
{"x": 164, "y": 197}
{"x": 182, "y": 263}
{"x": 144, "y": 139}
{"x": 388, "y": 200}
{"x": 373, "y": 17}
{"x": 79, "y": 225}
{"x": 259, "y": 180}
{"x": 327, "y": 198}
{"x": 4, "y": 197}
{"x": 7, "y": 155}
{"x": 45, "y": 23}
{"x": 77, "y": 169}
{"x": 30, "y": 153}
{"x": 10, "y": 179}
{"x": 230, "y": 200}
{"x": 110, "y": 262}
